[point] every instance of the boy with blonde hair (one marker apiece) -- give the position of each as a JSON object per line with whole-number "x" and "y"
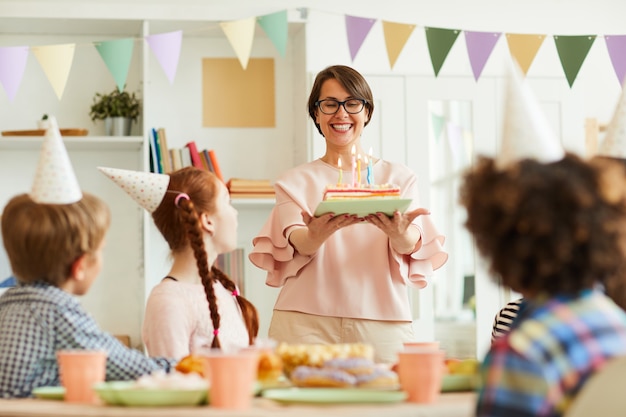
{"x": 54, "y": 238}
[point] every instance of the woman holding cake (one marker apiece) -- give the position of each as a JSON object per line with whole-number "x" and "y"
{"x": 344, "y": 278}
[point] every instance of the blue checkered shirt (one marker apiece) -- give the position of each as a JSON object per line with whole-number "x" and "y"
{"x": 39, "y": 319}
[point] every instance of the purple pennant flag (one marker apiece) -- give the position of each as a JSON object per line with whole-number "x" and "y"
{"x": 166, "y": 48}
{"x": 12, "y": 65}
{"x": 616, "y": 44}
{"x": 479, "y": 48}
{"x": 357, "y": 29}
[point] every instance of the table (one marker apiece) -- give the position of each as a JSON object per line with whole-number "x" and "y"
{"x": 449, "y": 405}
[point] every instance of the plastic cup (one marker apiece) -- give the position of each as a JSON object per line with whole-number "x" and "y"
{"x": 422, "y": 345}
{"x": 420, "y": 371}
{"x": 79, "y": 371}
{"x": 232, "y": 376}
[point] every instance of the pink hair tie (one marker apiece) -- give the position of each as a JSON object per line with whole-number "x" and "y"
{"x": 215, "y": 332}
{"x": 179, "y": 196}
{"x": 235, "y": 293}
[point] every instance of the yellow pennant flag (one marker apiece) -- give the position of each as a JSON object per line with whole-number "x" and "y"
{"x": 396, "y": 36}
{"x": 56, "y": 61}
{"x": 523, "y": 48}
{"x": 240, "y": 34}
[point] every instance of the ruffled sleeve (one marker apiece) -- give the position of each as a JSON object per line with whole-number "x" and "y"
{"x": 419, "y": 265}
{"x": 272, "y": 251}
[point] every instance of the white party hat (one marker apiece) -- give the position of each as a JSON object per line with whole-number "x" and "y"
{"x": 526, "y": 132}
{"x": 146, "y": 188}
{"x": 55, "y": 181}
{"x": 614, "y": 143}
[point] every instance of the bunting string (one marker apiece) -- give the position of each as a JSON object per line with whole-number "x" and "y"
{"x": 56, "y": 60}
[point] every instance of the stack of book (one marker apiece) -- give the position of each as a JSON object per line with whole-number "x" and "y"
{"x": 244, "y": 188}
{"x": 232, "y": 264}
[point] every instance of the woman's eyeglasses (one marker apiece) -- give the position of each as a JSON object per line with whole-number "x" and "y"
{"x": 331, "y": 106}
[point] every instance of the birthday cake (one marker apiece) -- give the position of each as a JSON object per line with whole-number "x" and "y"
{"x": 361, "y": 192}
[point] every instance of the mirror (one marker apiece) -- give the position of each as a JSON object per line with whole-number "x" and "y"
{"x": 451, "y": 152}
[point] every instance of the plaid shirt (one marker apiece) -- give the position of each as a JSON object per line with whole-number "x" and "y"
{"x": 553, "y": 348}
{"x": 38, "y": 320}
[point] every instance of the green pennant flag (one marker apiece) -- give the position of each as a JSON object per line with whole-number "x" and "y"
{"x": 438, "y": 123}
{"x": 275, "y": 26}
{"x": 572, "y": 52}
{"x": 117, "y": 55}
{"x": 440, "y": 42}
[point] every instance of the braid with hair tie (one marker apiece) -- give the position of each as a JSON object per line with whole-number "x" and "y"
{"x": 194, "y": 232}
{"x": 248, "y": 310}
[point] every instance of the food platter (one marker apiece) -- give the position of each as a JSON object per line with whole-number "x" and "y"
{"x": 334, "y": 395}
{"x": 362, "y": 208}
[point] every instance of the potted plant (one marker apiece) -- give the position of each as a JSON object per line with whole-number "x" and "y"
{"x": 118, "y": 109}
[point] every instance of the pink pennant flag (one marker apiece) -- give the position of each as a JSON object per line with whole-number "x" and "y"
{"x": 12, "y": 64}
{"x": 357, "y": 29}
{"x": 166, "y": 48}
{"x": 479, "y": 48}
{"x": 616, "y": 44}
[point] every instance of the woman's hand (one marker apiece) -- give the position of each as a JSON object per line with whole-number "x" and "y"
{"x": 308, "y": 240}
{"x": 403, "y": 238}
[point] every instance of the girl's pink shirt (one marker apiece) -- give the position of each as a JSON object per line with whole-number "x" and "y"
{"x": 177, "y": 319}
{"x": 355, "y": 273}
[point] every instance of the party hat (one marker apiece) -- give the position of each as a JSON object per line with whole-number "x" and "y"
{"x": 614, "y": 144}
{"x": 55, "y": 181}
{"x": 146, "y": 188}
{"x": 526, "y": 132}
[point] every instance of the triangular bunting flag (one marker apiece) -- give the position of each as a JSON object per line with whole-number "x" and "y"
{"x": 357, "y": 29}
{"x": 117, "y": 55}
{"x": 240, "y": 34}
{"x": 524, "y": 48}
{"x": 440, "y": 42}
{"x": 56, "y": 61}
{"x": 12, "y": 64}
{"x": 438, "y": 124}
{"x": 396, "y": 35}
{"x": 572, "y": 53}
{"x": 616, "y": 44}
{"x": 276, "y": 27}
{"x": 479, "y": 48}
{"x": 166, "y": 49}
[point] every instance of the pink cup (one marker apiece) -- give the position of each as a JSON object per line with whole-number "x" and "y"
{"x": 232, "y": 376}
{"x": 420, "y": 371}
{"x": 79, "y": 371}
{"x": 425, "y": 345}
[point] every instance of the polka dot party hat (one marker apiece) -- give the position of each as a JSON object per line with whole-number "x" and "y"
{"x": 145, "y": 188}
{"x": 526, "y": 133}
{"x": 614, "y": 144}
{"x": 55, "y": 181}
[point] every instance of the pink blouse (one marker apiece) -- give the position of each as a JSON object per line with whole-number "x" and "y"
{"x": 177, "y": 319}
{"x": 355, "y": 273}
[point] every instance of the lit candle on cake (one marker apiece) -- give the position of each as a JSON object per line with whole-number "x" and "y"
{"x": 340, "y": 172}
{"x": 353, "y": 166}
{"x": 358, "y": 169}
{"x": 370, "y": 178}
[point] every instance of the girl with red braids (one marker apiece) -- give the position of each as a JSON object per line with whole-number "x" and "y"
{"x": 196, "y": 304}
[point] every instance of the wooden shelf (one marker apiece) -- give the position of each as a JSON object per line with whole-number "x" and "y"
{"x": 252, "y": 202}
{"x": 73, "y": 143}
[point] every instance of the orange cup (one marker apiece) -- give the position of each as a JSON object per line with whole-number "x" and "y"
{"x": 420, "y": 371}
{"x": 425, "y": 345}
{"x": 79, "y": 371}
{"x": 232, "y": 376}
